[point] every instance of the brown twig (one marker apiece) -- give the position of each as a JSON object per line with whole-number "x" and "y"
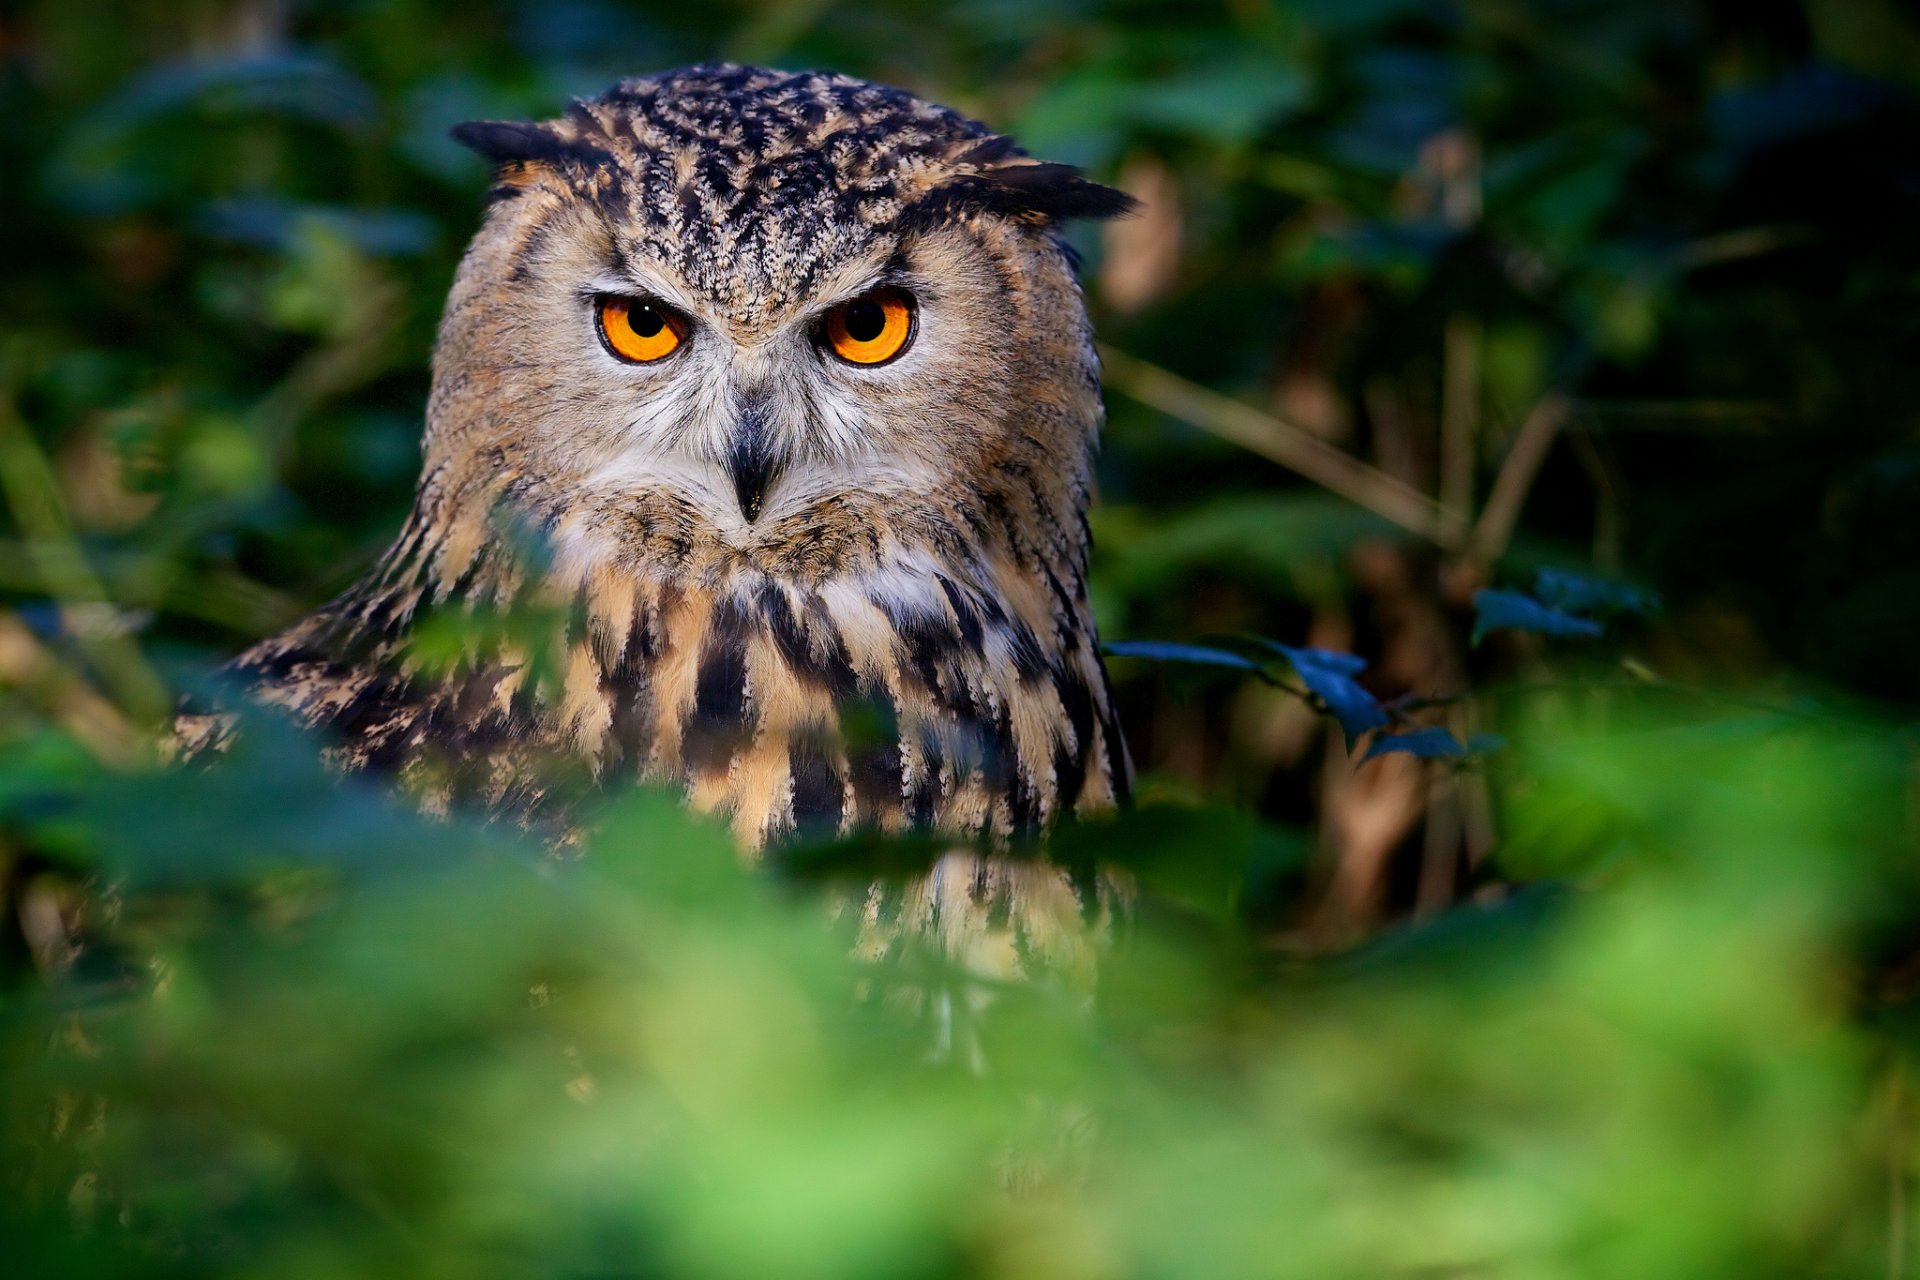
{"x": 1518, "y": 470}
{"x": 1608, "y": 501}
{"x": 1291, "y": 446}
{"x": 32, "y": 492}
{"x": 67, "y": 699}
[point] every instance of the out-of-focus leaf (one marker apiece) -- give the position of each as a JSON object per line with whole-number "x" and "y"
{"x": 1278, "y": 541}
{"x": 126, "y": 153}
{"x": 1513, "y": 930}
{"x": 1401, "y": 255}
{"x": 1228, "y": 101}
{"x": 296, "y": 84}
{"x": 1409, "y": 96}
{"x": 327, "y": 285}
{"x": 223, "y": 456}
{"x": 1226, "y": 98}
{"x": 281, "y": 224}
{"x": 1355, "y": 15}
{"x": 1806, "y": 101}
{"x": 271, "y": 806}
{"x": 1496, "y": 610}
{"x": 1582, "y": 593}
{"x": 1627, "y": 316}
{"x": 1202, "y": 858}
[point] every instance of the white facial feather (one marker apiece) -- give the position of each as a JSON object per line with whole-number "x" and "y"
{"x": 837, "y": 427}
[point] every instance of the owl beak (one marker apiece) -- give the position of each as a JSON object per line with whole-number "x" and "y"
{"x": 752, "y": 462}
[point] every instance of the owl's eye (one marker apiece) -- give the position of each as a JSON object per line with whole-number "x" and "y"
{"x": 638, "y": 330}
{"x": 872, "y": 328}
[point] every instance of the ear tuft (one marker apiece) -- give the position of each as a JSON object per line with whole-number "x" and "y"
{"x": 1054, "y": 191}
{"x": 503, "y": 141}
{"x": 1013, "y": 186}
{"x": 525, "y": 142}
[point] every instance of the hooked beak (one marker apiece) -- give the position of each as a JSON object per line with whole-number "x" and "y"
{"x": 752, "y": 462}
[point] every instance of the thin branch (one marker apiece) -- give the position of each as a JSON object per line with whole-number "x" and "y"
{"x": 65, "y": 697}
{"x": 223, "y": 597}
{"x": 1292, "y": 447}
{"x": 1515, "y": 481}
{"x": 1608, "y": 501}
{"x": 1745, "y": 242}
{"x": 32, "y": 491}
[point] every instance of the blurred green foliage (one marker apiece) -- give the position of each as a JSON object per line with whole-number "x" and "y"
{"x": 1427, "y": 298}
{"x": 359, "y": 1043}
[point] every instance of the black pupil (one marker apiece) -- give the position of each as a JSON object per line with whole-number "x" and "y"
{"x": 865, "y": 320}
{"x": 646, "y": 321}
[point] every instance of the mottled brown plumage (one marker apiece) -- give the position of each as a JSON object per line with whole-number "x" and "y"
{"x": 894, "y": 631}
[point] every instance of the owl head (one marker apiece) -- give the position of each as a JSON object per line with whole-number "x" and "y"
{"x": 768, "y": 321}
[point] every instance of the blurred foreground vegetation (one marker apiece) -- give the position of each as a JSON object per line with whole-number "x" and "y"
{"x": 355, "y": 1043}
{"x": 1556, "y": 359}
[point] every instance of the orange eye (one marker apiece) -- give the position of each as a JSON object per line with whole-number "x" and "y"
{"x": 639, "y": 331}
{"x": 873, "y": 328}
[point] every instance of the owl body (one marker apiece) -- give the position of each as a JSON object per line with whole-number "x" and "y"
{"x": 817, "y": 590}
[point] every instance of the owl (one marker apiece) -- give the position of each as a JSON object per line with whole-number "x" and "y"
{"x": 771, "y": 400}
